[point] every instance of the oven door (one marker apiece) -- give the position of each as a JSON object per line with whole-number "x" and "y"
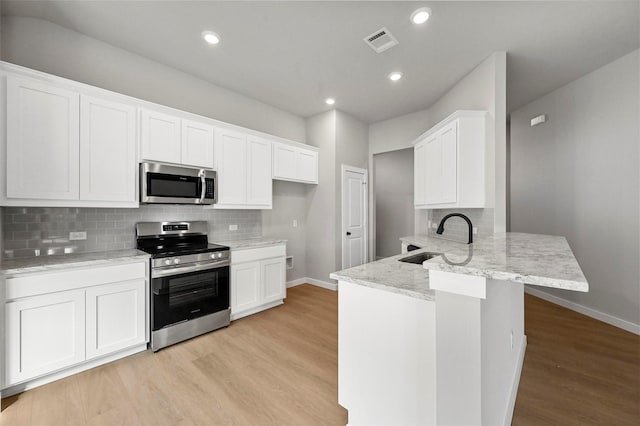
{"x": 184, "y": 296}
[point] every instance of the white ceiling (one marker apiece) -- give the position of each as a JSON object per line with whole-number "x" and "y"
{"x": 295, "y": 54}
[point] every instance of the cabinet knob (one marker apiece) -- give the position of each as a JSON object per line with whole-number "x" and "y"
{"x": 348, "y": 233}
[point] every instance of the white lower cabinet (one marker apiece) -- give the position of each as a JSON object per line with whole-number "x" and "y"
{"x": 115, "y": 317}
{"x": 258, "y": 279}
{"x": 63, "y": 319}
{"x": 44, "y": 333}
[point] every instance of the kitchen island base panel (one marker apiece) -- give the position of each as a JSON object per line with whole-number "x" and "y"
{"x": 386, "y": 356}
{"x": 455, "y": 360}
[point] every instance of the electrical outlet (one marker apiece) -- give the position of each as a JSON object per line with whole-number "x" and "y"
{"x": 511, "y": 337}
{"x": 429, "y": 224}
{"x": 295, "y": 223}
{"x": 475, "y": 230}
{"x": 233, "y": 227}
{"x": 75, "y": 236}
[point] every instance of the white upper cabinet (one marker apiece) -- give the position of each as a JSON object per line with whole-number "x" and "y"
{"x": 243, "y": 165}
{"x": 197, "y": 144}
{"x": 160, "y": 137}
{"x": 295, "y": 163}
{"x": 259, "y": 181}
{"x": 107, "y": 150}
{"x": 170, "y": 139}
{"x": 450, "y": 163}
{"x": 42, "y": 141}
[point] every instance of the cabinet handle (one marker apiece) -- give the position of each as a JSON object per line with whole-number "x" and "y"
{"x": 348, "y": 233}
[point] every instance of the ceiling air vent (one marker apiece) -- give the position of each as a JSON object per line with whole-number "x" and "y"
{"x": 380, "y": 40}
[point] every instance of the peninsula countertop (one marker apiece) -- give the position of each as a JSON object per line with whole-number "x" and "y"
{"x": 542, "y": 260}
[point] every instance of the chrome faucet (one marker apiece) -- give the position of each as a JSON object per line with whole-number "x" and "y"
{"x": 444, "y": 219}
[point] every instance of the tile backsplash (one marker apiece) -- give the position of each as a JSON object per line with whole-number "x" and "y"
{"x": 41, "y": 231}
{"x": 455, "y": 228}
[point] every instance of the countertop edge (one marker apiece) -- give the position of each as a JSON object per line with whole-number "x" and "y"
{"x": 383, "y": 287}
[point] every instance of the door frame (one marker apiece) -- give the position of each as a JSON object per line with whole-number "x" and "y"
{"x": 365, "y": 191}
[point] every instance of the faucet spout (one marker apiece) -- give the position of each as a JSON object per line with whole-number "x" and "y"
{"x": 444, "y": 219}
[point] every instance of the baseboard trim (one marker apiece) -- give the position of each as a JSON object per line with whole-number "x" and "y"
{"x": 313, "y": 281}
{"x": 296, "y": 282}
{"x": 323, "y": 284}
{"x": 515, "y": 383}
{"x": 590, "y": 312}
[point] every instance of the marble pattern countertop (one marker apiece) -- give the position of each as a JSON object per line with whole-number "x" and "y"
{"x": 391, "y": 275}
{"x": 10, "y": 267}
{"x": 251, "y": 243}
{"x": 542, "y": 260}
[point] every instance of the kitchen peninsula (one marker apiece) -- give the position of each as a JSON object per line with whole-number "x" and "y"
{"x": 443, "y": 342}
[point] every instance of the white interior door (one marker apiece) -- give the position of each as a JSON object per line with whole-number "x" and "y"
{"x": 354, "y": 216}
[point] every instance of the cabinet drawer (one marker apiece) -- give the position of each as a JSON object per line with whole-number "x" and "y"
{"x": 250, "y": 255}
{"x": 31, "y": 285}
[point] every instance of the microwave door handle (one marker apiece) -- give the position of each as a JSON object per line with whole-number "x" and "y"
{"x": 203, "y": 185}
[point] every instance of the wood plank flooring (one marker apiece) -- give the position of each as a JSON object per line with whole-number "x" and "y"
{"x": 279, "y": 367}
{"x": 577, "y": 370}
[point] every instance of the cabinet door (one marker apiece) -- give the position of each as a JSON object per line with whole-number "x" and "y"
{"x": 433, "y": 181}
{"x": 259, "y": 183}
{"x": 230, "y": 159}
{"x": 273, "y": 279}
{"x": 115, "y": 317}
{"x": 107, "y": 150}
{"x": 42, "y": 141}
{"x": 245, "y": 286}
{"x": 420, "y": 173}
{"x": 284, "y": 161}
{"x": 307, "y": 166}
{"x": 197, "y": 144}
{"x": 43, "y": 334}
{"x": 160, "y": 137}
{"x": 449, "y": 158}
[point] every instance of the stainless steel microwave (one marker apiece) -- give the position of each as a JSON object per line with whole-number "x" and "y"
{"x": 166, "y": 184}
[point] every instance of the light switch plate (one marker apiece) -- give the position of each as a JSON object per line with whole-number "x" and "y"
{"x": 233, "y": 227}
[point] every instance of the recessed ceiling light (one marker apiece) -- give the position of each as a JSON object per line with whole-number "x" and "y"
{"x": 395, "y": 76}
{"x": 420, "y": 16}
{"x": 211, "y": 37}
{"x": 330, "y": 101}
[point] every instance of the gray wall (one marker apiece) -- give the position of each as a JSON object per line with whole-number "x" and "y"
{"x": 47, "y": 47}
{"x": 484, "y": 88}
{"x": 393, "y": 177}
{"x": 577, "y": 176}
{"x": 289, "y": 203}
{"x": 321, "y": 199}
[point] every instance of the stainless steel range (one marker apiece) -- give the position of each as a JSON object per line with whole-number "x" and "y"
{"x": 189, "y": 280}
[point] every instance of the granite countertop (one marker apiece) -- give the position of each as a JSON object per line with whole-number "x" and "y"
{"x": 391, "y": 275}
{"x": 542, "y": 260}
{"x": 52, "y": 263}
{"x": 251, "y": 243}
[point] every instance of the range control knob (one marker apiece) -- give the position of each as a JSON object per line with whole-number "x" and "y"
{"x": 219, "y": 255}
{"x": 212, "y": 256}
{"x": 167, "y": 262}
{"x": 176, "y": 261}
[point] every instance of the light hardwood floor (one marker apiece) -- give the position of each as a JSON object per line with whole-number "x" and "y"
{"x": 280, "y": 367}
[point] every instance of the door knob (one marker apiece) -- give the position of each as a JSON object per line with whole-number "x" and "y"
{"x": 348, "y": 233}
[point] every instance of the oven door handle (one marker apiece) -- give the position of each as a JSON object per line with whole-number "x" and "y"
{"x": 176, "y": 270}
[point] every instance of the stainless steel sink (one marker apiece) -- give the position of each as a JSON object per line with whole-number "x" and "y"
{"x": 419, "y": 258}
